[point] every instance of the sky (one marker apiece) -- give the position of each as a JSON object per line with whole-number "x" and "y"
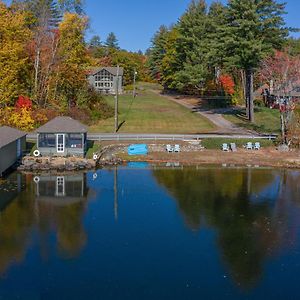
{"x": 135, "y": 21}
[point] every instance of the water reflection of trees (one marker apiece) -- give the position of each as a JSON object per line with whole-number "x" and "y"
{"x": 27, "y": 213}
{"x": 229, "y": 201}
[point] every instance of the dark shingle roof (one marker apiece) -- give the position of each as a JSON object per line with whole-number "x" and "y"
{"x": 111, "y": 70}
{"x": 62, "y": 125}
{"x": 9, "y": 135}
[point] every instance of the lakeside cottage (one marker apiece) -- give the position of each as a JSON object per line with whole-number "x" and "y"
{"x": 62, "y": 136}
{"x": 105, "y": 80}
{"x": 12, "y": 146}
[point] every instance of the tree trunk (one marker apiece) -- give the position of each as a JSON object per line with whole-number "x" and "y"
{"x": 249, "y": 95}
{"x": 282, "y": 123}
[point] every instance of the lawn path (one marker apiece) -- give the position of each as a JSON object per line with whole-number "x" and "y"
{"x": 213, "y": 115}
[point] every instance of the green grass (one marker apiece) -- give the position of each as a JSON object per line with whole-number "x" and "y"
{"x": 216, "y": 143}
{"x": 266, "y": 120}
{"x": 152, "y": 113}
{"x": 93, "y": 147}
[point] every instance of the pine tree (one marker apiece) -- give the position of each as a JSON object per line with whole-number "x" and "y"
{"x": 157, "y": 52}
{"x": 192, "y": 48}
{"x": 253, "y": 29}
{"x": 95, "y": 42}
{"x": 112, "y": 41}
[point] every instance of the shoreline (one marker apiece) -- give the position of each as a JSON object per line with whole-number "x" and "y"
{"x": 243, "y": 158}
{"x": 190, "y": 155}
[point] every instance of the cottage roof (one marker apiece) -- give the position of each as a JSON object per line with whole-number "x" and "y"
{"x": 62, "y": 125}
{"x": 111, "y": 70}
{"x": 9, "y": 135}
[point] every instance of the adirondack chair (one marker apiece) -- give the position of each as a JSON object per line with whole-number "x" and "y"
{"x": 257, "y": 146}
{"x": 233, "y": 147}
{"x": 169, "y": 149}
{"x": 249, "y": 146}
{"x": 225, "y": 147}
{"x": 177, "y": 148}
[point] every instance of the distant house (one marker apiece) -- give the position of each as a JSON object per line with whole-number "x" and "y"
{"x": 12, "y": 146}
{"x": 291, "y": 90}
{"x": 62, "y": 136}
{"x": 105, "y": 79}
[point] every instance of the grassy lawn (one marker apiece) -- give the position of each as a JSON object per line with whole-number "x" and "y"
{"x": 151, "y": 113}
{"x": 266, "y": 120}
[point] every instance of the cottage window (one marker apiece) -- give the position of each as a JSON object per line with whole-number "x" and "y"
{"x": 103, "y": 79}
{"x": 47, "y": 140}
{"x": 74, "y": 141}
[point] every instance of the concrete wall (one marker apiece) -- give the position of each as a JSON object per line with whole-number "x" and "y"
{"x": 8, "y": 155}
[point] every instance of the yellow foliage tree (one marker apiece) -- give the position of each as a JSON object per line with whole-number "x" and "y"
{"x": 14, "y": 34}
{"x": 18, "y": 118}
{"x": 73, "y": 56}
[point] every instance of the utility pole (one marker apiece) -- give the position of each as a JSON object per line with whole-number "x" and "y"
{"x": 134, "y": 83}
{"x": 117, "y": 102}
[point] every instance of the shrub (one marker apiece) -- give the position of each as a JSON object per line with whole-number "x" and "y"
{"x": 23, "y": 102}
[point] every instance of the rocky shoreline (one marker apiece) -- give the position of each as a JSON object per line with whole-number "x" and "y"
{"x": 190, "y": 154}
{"x": 62, "y": 164}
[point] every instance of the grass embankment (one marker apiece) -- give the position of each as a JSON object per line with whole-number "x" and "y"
{"x": 152, "y": 113}
{"x": 93, "y": 147}
{"x": 216, "y": 143}
{"x": 266, "y": 120}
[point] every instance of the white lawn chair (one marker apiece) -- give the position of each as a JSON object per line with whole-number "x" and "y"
{"x": 177, "y": 148}
{"x": 169, "y": 149}
{"x": 233, "y": 147}
{"x": 225, "y": 147}
{"x": 249, "y": 146}
{"x": 257, "y": 146}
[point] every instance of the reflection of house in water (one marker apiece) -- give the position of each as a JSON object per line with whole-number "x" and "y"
{"x": 61, "y": 190}
{"x": 10, "y": 189}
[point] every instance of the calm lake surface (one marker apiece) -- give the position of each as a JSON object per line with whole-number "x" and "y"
{"x": 143, "y": 233}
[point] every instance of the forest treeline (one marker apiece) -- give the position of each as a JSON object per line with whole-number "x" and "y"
{"x": 44, "y": 61}
{"x": 219, "y": 49}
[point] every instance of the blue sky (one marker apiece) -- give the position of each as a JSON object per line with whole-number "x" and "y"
{"x": 135, "y": 21}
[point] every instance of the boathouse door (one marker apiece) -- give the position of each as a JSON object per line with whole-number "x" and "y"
{"x": 60, "y": 143}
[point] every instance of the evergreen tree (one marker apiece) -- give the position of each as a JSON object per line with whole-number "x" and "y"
{"x": 95, "y": 42}
{"x": 157, "y": 52}
{"x": 112, "y": 41}
{"x": 192, "y": 48}
{"x": 253, "y": 29}
{"x": 71, "y": 6}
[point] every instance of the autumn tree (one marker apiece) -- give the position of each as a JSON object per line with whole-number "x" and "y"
{"x": 73, "y": 58}
{"x": 14, "y": 34}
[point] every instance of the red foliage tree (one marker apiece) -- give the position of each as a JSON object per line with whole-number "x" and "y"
{"x": 23, "y": 102}
{"x": 283, "y": 70}
{"x": 227, "y": 84}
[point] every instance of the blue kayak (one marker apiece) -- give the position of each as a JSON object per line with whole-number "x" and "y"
{"x": 138, "y": 149}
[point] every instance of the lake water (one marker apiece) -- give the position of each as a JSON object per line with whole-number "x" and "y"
{"x": 151, "y": 233}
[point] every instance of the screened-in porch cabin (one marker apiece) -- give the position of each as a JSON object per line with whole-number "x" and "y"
{"x": 62, "y": 136}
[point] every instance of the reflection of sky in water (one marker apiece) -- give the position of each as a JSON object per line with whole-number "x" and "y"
{"x": 269, "y": 193}
{"x": 136, "y": 233}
